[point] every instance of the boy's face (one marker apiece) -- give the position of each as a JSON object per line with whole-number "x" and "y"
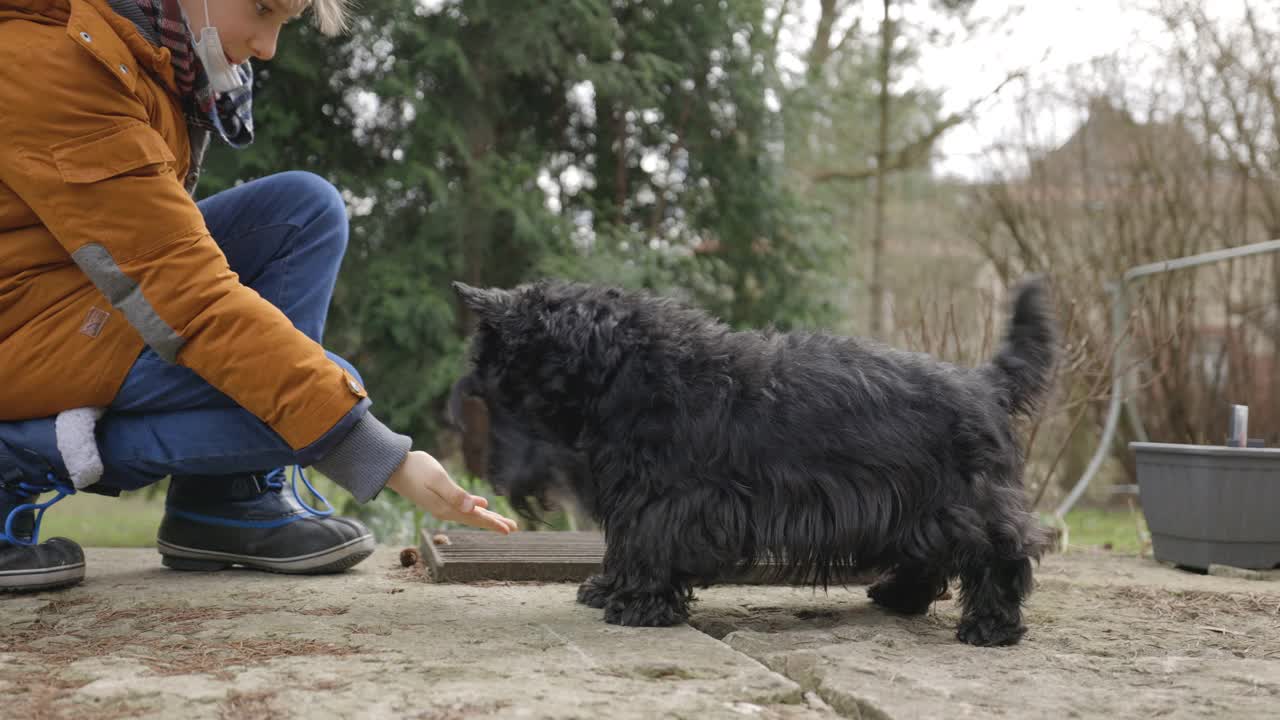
{"x": 247, "y": 28}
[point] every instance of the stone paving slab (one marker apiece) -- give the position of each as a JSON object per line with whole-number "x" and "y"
{"x": 139, "y": 640}
{"x": 1110, "y": 637}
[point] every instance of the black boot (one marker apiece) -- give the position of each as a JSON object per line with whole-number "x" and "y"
{"x": 214, "y": 522}
{"x": 26, "y": 564}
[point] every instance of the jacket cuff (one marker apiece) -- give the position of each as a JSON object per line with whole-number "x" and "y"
{"x": 363, "y": 461}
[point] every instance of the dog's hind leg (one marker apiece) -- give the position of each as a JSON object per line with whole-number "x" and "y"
{"x": 995, "y": 579}
{"x": 908, "y": 588}
{"x": 922, "y": 565}
{"x": 992, "y": 592}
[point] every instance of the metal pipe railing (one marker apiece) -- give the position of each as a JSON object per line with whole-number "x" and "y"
{"x": 1119, "y": 322}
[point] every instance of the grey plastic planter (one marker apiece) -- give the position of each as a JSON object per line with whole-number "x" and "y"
{"x": 1208, "y": 504}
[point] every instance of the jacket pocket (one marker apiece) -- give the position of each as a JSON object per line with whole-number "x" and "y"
{"x": 120, "y": 150}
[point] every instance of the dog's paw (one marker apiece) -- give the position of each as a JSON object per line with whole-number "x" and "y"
{"x": 897, "y": 595}
{"x": 989, "y": 631}
{"x": 595, "y": 592}
{"x": 644, "y": 611}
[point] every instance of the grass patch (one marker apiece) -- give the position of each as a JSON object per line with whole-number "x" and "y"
{"x": 130, "y": 520}
{"x": 1097, "y": 527}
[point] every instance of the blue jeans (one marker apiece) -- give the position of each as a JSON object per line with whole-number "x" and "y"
{"x": 285, "y": 236}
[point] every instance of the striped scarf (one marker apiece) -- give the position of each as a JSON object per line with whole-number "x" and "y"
{"x": 229, "y": 116}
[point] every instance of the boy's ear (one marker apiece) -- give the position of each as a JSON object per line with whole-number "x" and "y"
{"x": 483, "y": 302}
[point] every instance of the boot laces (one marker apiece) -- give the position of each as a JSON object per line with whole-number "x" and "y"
{"x": 276, "y": 479}
{"x": 33, "y": 490}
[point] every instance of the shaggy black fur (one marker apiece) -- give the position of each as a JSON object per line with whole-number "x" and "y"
{"x": 702, "y": 451}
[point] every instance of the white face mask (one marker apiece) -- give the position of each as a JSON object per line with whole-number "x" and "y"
{"x": 223, "y": 76}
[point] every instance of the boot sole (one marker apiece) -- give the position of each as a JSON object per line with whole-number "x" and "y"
{"x": 329, "y": 560}
{"x": 43, "y": 579}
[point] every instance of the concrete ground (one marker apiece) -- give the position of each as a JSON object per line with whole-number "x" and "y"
{"x": 1110, "y": 637}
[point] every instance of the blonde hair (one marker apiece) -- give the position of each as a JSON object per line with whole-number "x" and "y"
{"x": 331, "y": 16}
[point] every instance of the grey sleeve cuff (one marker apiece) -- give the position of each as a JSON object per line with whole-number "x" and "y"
{"x": 363, "y": 461}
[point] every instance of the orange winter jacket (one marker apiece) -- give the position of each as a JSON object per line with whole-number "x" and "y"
{"x": 103, "y": 250}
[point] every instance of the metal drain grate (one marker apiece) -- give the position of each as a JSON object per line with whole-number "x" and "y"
{"x": 477, "y": 556}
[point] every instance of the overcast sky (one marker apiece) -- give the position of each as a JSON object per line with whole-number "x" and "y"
{"x": 1049, "y": 37}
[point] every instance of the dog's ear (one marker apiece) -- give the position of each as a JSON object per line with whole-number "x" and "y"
{"x": 483, "y": 302}
{"x": 462, "y": 389}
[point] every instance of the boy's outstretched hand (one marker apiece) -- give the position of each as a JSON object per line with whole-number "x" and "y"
{"x": 423, "y": 481}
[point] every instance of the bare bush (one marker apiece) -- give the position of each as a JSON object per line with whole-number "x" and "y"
{"x": 1153, "y": 174}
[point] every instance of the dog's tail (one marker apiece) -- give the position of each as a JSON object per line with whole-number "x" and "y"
{"x": 1023, "y": 365}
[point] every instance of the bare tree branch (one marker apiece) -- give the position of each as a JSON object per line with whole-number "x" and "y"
{"x": 779, "y": 23}
{"x": 820, "y": 49}
{"x": 917, "y": 151}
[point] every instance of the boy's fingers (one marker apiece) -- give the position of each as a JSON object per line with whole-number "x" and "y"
{"x": 492, "y": 521}
{"x": 511, "y": 524}
{"x": 496, "y": 521}
{"x": 472, "y": 510}
{"x": 455, "y": 497}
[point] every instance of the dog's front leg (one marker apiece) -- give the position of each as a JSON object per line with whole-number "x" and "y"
{"x": 642, "y": 601}
{"x": 641, "y": 585}
{"x": 596, "y": 591}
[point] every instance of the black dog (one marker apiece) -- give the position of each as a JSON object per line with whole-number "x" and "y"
{"x": 702, "y": 451}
